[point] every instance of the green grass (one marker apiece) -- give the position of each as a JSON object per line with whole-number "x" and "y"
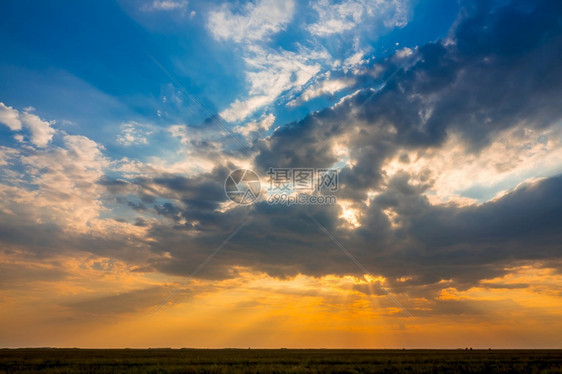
{"x": 277, "y": 361}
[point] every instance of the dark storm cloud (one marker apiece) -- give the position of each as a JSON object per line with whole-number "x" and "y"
{"x": 433, "y": 243}
{"x": 282, "y": 241}
{"x": 503, "y": 69}
{"x": 472, "y": 243}
{"x": 531, "y": 214}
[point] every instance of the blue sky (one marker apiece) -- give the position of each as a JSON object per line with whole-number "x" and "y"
{"x": 95, "y": 64}
{"x": 121, "y": 120}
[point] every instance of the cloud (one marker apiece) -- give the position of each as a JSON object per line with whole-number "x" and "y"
{"x": 271, "y": 74}
{"x": 515, "y": 155}
{"x": 141, "y": 300}
{"x": 402, "y": 54}
{"x": 58, "y": 185}
{"x": 133, "y": 133}
{"x": 41, "y": 131}
{"x": 6, "y": 154}
{"x": 337, "y": 17}
{"x": 454, "y": 103}
{"x": 166, "y": 5}
{"x": 10, "y": 117}
{"x": 257, "y": 21}
{"x": 256, "y": 127}
{"x": 202, "y": 149}
{"x": 326, "y": 87}
{"x": 241, "y": 109}
{"x": 276, "y": 74}
{"x": 20, "y": 275}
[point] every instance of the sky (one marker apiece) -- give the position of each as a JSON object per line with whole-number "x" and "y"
{"x": 121, "y": 121}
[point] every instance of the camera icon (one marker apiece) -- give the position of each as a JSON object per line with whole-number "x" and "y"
{"x": 242, "y": 186}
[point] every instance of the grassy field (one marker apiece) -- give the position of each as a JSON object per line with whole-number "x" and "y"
{"x": 278, "y": 361}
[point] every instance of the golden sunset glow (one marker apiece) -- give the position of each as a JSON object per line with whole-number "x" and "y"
{"x": 99, "y": 302}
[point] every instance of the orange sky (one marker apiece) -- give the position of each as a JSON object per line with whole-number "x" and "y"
{"x": 112, "y": 306}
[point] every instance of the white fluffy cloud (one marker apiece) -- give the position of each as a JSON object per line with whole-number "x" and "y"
{"x": 272, "y": 73}
{"x": 10, "y": 117}
{"x": 337, "y": 17}
{"x": 256, "y": 21}
{"x": 57, "y": 184}
{"x": 256, "y": 127}
{"x": 52, "y": 184}
{"x": 518, "y": 154}
{"x": 41, "y": 131}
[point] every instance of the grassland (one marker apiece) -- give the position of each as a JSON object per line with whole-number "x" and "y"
{"x": 278, "y": 361}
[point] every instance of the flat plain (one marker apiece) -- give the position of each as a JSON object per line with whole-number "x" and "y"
{"x": 50, "y": 360}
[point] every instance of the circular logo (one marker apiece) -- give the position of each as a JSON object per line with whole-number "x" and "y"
{"x": 242, "y": 186}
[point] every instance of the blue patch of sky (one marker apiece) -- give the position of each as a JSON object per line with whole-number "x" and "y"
{"x": 89, "y": 63}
